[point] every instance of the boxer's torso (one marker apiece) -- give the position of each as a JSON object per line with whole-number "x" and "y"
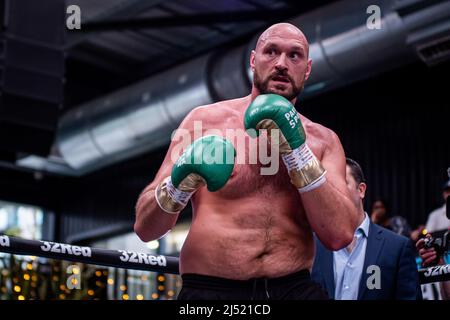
{"x": 255, "y": 226}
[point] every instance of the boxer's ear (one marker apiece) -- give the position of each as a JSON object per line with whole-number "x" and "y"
{"x": 308, "y": 69}
{"x": 252, "y": 60}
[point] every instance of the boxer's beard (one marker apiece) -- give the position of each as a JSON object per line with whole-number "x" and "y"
{"x": 262, "y": 85}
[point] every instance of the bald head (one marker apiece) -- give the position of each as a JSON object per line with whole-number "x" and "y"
{"x": 280, "y": 61}
{"x": 285, "y": 31}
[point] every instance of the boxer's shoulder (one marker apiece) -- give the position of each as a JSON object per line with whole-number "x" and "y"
{"x": 217, "y": 109}
{"x": 316, "y": 130}
{"x": 218, "y": 112}
{"x": 318, "y": 135}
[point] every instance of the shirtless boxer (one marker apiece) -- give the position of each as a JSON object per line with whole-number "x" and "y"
{"x": 252, "y": 239}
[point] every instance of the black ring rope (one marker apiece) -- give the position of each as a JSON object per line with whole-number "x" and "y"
{"x": 95, "y": 256}
{"x": 138, "y": 261}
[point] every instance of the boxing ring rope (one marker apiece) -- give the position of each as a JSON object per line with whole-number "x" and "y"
{"x": 434, "y": 274}
{"x": 138, "y": 261}
{"x": 103, "y": 257}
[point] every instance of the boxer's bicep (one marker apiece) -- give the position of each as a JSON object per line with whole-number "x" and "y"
{"x": 333, "y": 161}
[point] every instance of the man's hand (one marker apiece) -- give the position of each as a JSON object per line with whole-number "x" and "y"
{"x": 429, "y": 255}
{"x": 207, "y": 161}
{"x": 271, "y": 111}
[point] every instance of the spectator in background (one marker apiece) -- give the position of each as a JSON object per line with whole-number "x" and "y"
{"x": 429, "y": 257}
{"x": 381, "y": 215}
{"x": 345, "y": 273}
{"x": 437, "y": 219}
{"x": 417, "y": 233}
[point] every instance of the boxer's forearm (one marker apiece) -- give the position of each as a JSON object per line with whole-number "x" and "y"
{"x": 331, "y": 214}
{"x": 151, "y": 221}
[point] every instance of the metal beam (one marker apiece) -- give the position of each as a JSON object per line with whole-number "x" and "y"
{"x": 189, "y": 20}
{"x": 126, "y": 8}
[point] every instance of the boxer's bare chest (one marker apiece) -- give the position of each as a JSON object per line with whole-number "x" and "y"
{"x": 259, "y": 169}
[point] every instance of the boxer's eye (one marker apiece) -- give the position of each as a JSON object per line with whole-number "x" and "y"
{"x": 294, "y": 55}
{"x": 271, "y": 52}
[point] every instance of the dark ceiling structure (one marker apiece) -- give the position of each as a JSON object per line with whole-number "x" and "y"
{"x": 47, "y": 69}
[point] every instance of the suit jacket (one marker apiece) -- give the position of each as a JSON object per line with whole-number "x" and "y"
{"x": 395, "y": 256}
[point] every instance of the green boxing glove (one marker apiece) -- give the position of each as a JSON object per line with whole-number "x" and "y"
{"x": 208, "y": 161}
{"x": 271, "y": 111}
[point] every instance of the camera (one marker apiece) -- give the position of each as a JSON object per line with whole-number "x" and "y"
{"x": 439, "y": 241}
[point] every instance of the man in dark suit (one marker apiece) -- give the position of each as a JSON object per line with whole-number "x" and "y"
{"x": 378, "y": 264}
